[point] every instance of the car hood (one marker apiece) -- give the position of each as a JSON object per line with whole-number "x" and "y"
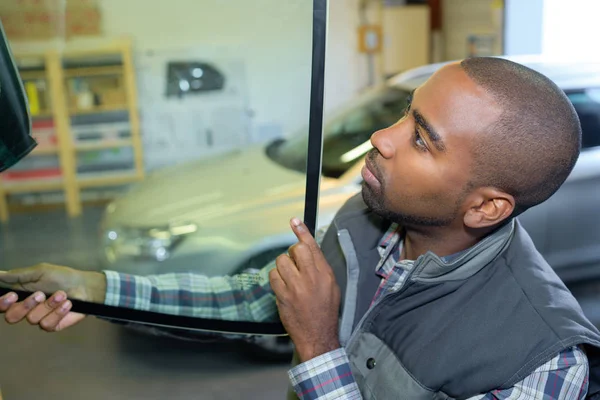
{"x": 215, "y": 187}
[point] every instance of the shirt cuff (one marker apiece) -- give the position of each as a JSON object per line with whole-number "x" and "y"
{"x": 327, "y": 376}
{"x": 128, "y": 291}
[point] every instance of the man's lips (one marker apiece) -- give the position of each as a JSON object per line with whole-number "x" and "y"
{"x": 368, "y": 174}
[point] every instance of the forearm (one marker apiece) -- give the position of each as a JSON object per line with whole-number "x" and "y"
{"x": 235, "y": 298}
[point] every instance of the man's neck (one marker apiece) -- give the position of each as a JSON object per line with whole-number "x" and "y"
{"x": 440, "y": 241}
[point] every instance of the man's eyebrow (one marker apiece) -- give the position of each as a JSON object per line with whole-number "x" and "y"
{"x": 433, "y": 135}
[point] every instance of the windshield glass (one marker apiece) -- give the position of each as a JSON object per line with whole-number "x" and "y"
{"x": 346, "y": 135}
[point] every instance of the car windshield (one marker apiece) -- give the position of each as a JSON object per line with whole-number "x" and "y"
{"x": 346, "y": 135}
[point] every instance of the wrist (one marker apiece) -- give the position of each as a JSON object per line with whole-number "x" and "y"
{"x": 95, "y": 284}
{"x": 312, "y": 350}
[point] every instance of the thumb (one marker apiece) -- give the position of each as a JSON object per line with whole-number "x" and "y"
{"x": 16, "y": 277}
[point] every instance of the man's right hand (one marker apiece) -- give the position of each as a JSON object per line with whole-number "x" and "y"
{"x": 52, "y": 314}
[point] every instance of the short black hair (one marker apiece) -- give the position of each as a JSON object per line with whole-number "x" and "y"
{"x": 532, "y": 148}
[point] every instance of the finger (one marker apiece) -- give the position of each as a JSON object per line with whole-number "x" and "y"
{"x": 303, "y": 257}
{"x": 287, "y": 269}
{"x": 277, "y": 283}
{"x": 303, "y": 234}
{"x": 8, "y": 300}
{"x": 70, "y": 319}
{"x": 47, "y": 307}
{"x": 18, "y": 311}
{"x": 51, "y": 322}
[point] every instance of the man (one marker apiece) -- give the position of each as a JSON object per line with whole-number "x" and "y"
{"x": 444, "y": 294}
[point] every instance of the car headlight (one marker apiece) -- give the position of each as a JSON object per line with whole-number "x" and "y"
{"x": 145, "y": 243}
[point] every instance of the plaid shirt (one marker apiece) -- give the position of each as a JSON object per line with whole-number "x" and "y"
{"x": 248, "y": 297}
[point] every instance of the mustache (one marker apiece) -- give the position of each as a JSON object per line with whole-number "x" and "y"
{"x": 371, "y": 157}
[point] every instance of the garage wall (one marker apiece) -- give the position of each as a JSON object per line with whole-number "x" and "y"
{"x": 276, "y": 47}
{"x": 461, "y": 18}
{"x": 274, "y": 43}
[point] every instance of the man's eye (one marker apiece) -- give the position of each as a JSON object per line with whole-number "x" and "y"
{"x": 419, "y": 142}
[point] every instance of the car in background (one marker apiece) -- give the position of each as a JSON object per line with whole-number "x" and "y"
{"x": 229, "y": 213}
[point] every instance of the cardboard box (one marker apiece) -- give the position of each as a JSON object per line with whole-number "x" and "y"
{"x": 32, "y": 20}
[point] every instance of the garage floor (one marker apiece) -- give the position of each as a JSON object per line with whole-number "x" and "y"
{"x": 97, "y": 360}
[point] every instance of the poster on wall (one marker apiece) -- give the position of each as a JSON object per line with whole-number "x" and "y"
{"x": 194, "y": 104}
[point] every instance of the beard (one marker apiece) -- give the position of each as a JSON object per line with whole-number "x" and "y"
{"x": 374, "y": 198}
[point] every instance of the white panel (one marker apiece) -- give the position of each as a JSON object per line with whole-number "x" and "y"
{"x": 570, "y": 30}
{"x": 406, "y": 38}
{"x": 523, "y": 33}
{"x": 462, "y": 18}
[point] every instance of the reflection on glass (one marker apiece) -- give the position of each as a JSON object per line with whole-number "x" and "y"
{"x": 153, "y": 166}
{"x": 179, "y": 160}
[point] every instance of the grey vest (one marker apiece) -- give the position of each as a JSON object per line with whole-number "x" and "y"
{"x": 484, "y": 321}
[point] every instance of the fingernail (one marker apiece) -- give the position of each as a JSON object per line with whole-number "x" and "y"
{"x": 39, "y": 297}
{"x": 65, "y": 307}
{"x": 59, "y": 297}
{"x": 10, "y": 298}
{"x": 296, "y": 221}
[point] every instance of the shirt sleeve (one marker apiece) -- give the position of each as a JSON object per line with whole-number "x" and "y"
{"x": 242, "y": 297}
{"x": 325, "y": 377}
{"x": 565, "y": 377}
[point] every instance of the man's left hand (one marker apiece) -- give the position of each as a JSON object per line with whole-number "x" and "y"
{"x": 308, "y": 297}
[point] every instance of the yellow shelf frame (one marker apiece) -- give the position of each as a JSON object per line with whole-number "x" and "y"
{"x": 104, "y": 145}
{"x": 56, "y": 77}
{"x": 45, "y": 150}
{"x": 109, "y": 179}
{"x": 98, "y": 109}
{"x": 34, "y": 185}
{"x": 77, "y": 72}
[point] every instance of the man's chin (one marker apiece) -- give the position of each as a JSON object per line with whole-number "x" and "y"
{"x": 376, "y": 203}
{"x": 371, "y": 198}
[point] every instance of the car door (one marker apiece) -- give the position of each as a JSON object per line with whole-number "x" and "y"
{"x": 573, "y": 235}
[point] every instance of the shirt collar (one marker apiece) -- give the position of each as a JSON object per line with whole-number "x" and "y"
{"x": 393, "y": 238}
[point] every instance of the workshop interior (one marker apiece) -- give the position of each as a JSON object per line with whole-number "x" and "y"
{"x": 177, "y": 138}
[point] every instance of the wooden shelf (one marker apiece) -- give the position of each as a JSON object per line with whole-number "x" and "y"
{"x": 107, "y": 179}
{"x": 43, "y": 114}
{"x": 103, "y": 145}
{"x": 38, "y": 185}
{"x": 57, "y": 68}
{"x": 44, "y": 150}
{"x": 98, "y": 109}
{"x": 32, "y": 75}
{"x": 79, "y": 72}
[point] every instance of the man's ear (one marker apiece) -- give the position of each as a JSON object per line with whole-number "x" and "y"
{"x": 487, "y": 207}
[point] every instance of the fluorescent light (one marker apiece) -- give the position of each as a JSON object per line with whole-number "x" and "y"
{"x": 357, "y": 152}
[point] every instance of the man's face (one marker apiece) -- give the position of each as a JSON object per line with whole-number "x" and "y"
{"x": 419, "y": 171}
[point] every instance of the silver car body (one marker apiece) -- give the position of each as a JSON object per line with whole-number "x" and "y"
{"x": 217, "y": 215}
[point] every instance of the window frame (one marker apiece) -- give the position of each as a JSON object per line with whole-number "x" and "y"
{"x": 319, "y": 29}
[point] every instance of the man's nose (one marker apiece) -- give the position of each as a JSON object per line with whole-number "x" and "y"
{"x": 382, "y": 141}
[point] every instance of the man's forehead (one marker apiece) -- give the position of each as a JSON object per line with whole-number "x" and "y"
{"x": 453, "y": 103}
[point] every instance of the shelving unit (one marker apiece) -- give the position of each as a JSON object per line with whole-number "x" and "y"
{"x": 84, "y": 112}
